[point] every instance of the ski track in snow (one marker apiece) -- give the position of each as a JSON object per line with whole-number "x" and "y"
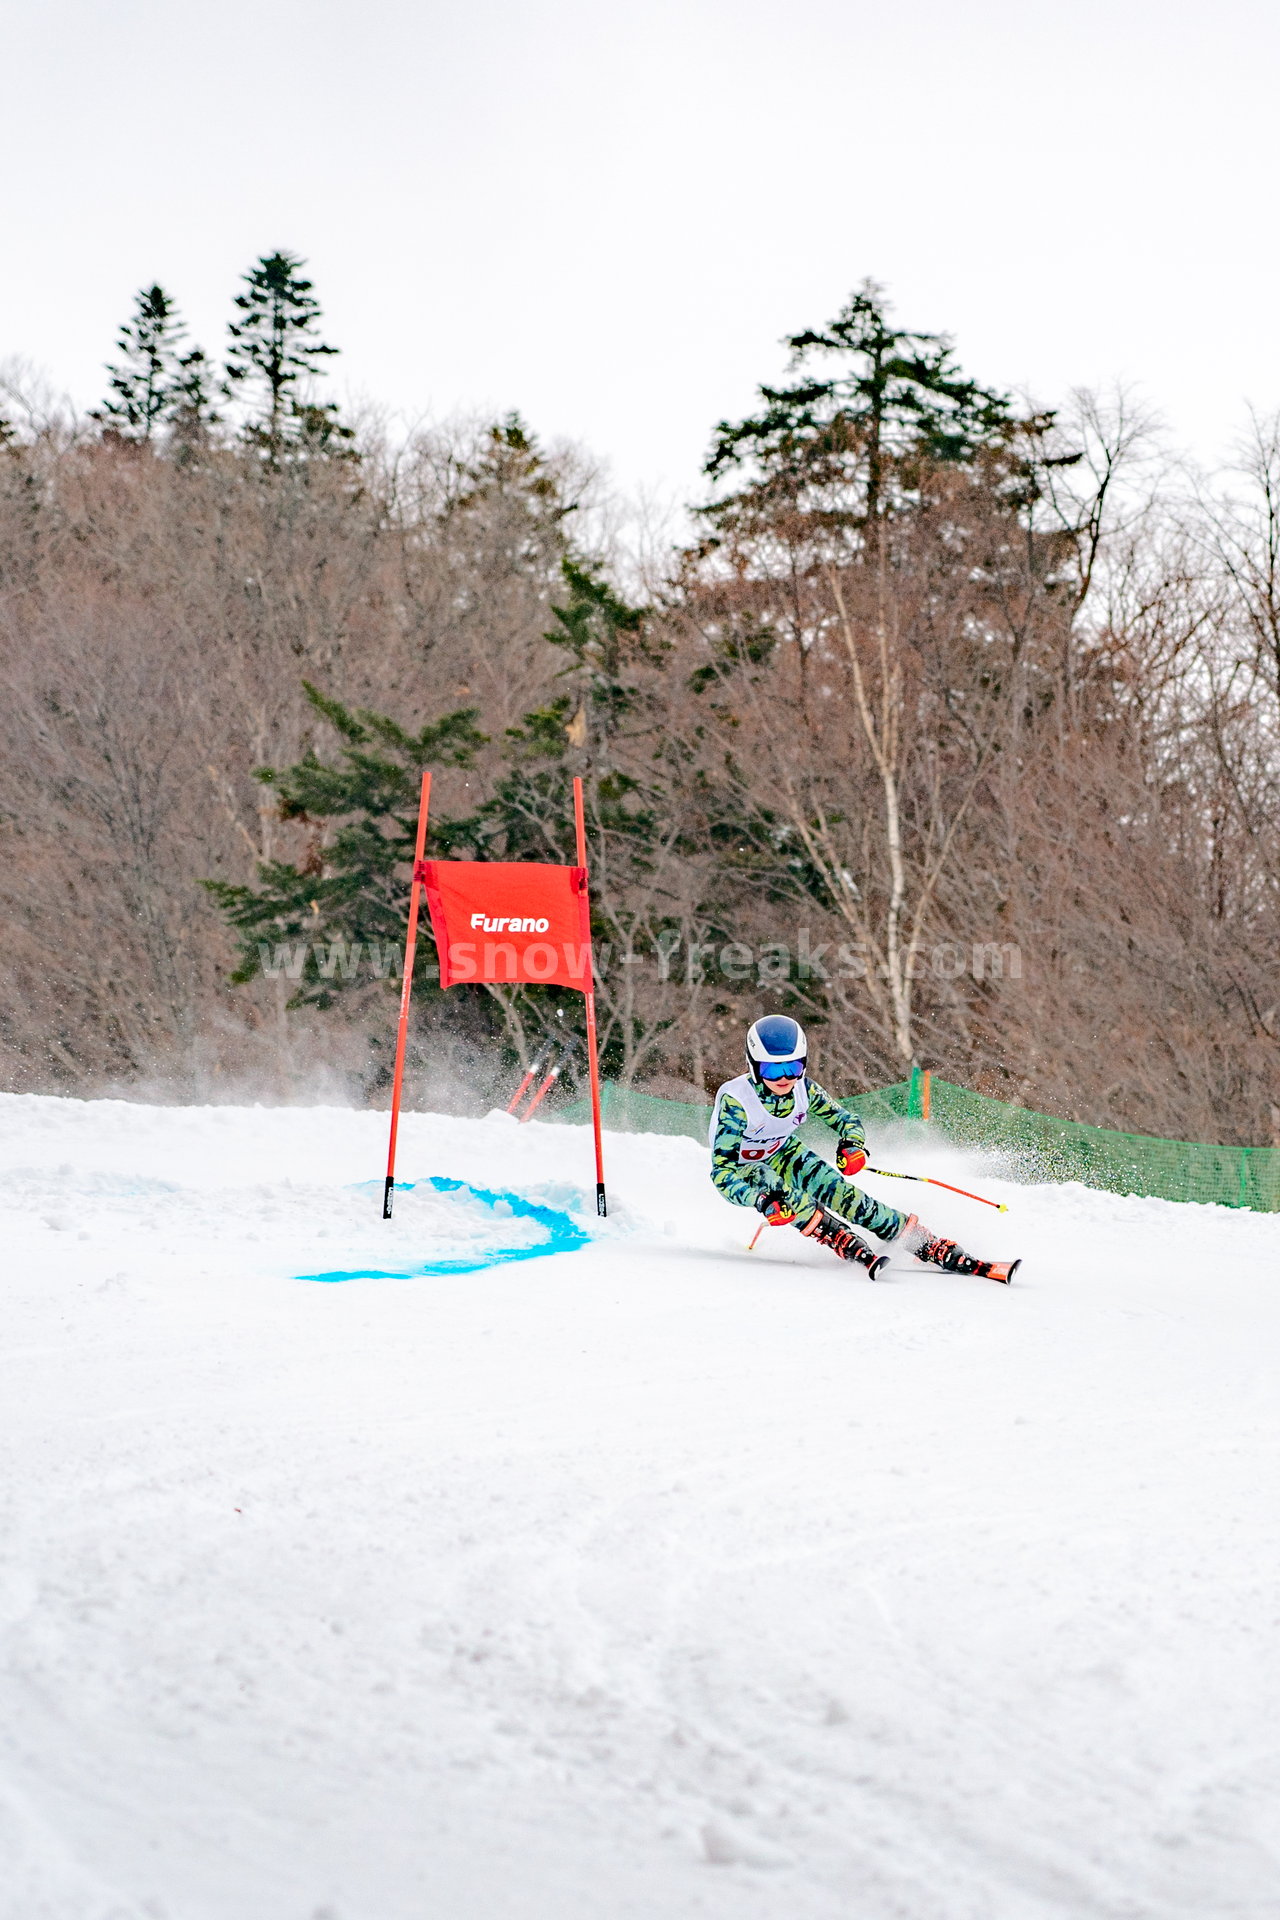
{"x": 651, "y": 1580}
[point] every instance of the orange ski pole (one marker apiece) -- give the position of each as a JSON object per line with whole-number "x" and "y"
{"x": 925, "y": 1180}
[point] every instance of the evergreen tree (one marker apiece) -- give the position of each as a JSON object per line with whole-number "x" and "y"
{"x": 348, "y": 888}
{"x": 609, "y": 729}
{"x": 606, "y": 639}
{"x": 274, "y": 347}
{"x": 510, "y": 459}
{"x": 351, "y": 888}
{"x": 512, "y": 498}
{"x": 191, "y": 411}
{"x": 529, "y": 815}
{"x": 144, "y": 384}
{"x": 354, "y": 888}
{"x": 870, "y": 402}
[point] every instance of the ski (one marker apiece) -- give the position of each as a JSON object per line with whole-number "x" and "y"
{"x": 1001, "y": 1270}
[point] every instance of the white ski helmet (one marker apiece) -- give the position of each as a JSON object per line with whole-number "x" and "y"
{"x": 774, "y": 1042}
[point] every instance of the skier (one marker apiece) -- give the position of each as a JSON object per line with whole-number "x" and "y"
{"x": 757, "y": 1159}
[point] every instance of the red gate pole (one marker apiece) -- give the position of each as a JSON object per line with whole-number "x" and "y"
{"x": 592, "y": 1055}
{"x": 542, "y": 1092}
{"x": 410, "y": 949}
{"x": 520, "y": 1091}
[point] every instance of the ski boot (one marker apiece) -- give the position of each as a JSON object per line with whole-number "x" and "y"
{"x": 936, "y": 1252}
{"x": 829, "y": 1230}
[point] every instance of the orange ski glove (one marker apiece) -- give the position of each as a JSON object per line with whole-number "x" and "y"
{"x": 775, "y": 1209}
{"x": 851, "y": 1160}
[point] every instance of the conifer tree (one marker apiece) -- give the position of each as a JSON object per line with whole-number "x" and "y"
{"x": 350, "y": 893}
{"x": 869, "y": 399}
{"x": 143, "y": 386}
{"x": 354, "y": 888}
{"x": 866, "y": 489}
{"x": 510, "y": 462}
{"x": 605, "y": 639}
{"x": 275, "y": 347}
{"x": 191, "y": 413}
{"x": 610, "y": 645}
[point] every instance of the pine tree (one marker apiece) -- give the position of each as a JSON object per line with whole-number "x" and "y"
{"x": 510, "y": 463}
{"x": 529, "y": 815}
{"x": 352, "y": 887}
{"x": 349, "y": 892}
{"x": 877, "y": 488}
{"x": 606, "y": 639}
{"x": 191, "y": 413}
{"x": 144, "y": 385}
{"x": 274, "y": 347}
{"x": 871, "y": 402}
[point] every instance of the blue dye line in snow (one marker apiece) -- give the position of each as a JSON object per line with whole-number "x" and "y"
{"x": 563, "y": 1236}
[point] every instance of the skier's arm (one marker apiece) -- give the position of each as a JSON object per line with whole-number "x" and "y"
{"x": 851, "y": 1141}
{"x": 846, "y": 1126}
{"x": 726, "y": 1174}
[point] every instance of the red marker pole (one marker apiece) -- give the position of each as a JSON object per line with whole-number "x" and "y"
{"x": 521, "y": 1090}
{"x": 592, "y": 1054}
{"x": 542, "y": 1092}
{"x": 535, "y": 1069}
{"x": 410, "y": 949}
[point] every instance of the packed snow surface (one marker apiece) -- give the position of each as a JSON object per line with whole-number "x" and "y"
{"x": 649, "y": 1578}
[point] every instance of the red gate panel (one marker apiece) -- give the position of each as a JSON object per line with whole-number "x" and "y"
{"x": 508, "y": 922}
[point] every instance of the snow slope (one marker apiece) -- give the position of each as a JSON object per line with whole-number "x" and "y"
{"x": 648, "y": 1580}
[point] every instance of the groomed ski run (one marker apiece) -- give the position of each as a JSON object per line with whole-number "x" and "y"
{"x": 644, "y": 1580}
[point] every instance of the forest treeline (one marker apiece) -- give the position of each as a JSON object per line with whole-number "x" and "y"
{"x": 952, "y": 727}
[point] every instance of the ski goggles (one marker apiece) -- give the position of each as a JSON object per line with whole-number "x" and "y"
{"x": 780, "y": 1069}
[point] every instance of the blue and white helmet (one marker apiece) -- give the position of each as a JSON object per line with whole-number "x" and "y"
{"x": 774, "y": 1043}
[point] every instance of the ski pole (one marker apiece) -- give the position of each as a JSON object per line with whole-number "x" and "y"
{"x": 756, "y": 1235}
{"x": 887, "y": 1174}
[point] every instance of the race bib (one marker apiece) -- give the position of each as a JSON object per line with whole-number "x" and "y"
{"x": 759, "y": 1153}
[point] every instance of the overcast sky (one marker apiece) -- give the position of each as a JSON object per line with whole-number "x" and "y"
{"x": 606, "y": 215}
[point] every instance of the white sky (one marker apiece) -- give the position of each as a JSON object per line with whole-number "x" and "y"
{"x": 607, "y": 215}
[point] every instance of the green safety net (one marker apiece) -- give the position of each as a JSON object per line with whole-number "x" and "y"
{"x": 1034, "y": 1146}
{"x": 627, "y": 1110}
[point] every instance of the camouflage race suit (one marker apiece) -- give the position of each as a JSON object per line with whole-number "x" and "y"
{"x": 792, "y": 1169}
